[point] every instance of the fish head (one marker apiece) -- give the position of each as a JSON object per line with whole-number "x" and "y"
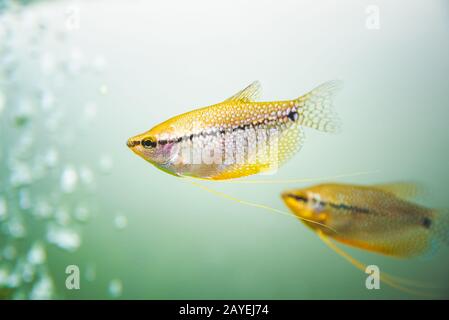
{"x": 309, "y": 206}
{"x": 157, "y": 148}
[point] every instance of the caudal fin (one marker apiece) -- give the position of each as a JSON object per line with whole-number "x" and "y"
{"x": 316, "y": 107}
{"x": 440, "y": 226}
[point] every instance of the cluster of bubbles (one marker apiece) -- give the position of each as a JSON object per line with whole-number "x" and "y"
{"x": 43, "y": 193}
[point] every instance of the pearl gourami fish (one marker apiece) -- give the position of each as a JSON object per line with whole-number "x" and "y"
{"x": 376, "y": 218}
{"x": 237, "y": 137}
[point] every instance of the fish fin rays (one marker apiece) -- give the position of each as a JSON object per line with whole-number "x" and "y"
{"x": 402, "y": 284}
{"x": 234, "y": 171}
{"x": 440, "y": 227}
{"x": 317, "y": 106}
{"x": 404, "y": 190}
{"x": 290, "y": 142}
{"x": 250, "y": 94}
{"x": 439, "y": 233}
{"x": 270, "y": 159}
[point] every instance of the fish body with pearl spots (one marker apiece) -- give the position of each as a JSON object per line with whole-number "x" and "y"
{"x": 237, "y": 137}
{"x": 377, "y": 218}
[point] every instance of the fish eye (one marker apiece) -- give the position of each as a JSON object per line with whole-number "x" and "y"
{"x": 149, "y": 143}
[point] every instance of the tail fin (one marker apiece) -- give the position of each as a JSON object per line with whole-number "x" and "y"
{"x": 316, "y": 107}
{"x": 440, "y": 226}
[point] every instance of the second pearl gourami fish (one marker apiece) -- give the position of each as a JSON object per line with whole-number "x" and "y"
{"x": 375, "y": 218}
{"x": 238, "y": 137}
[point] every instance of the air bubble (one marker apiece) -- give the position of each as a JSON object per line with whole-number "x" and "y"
{"x": 42, "y": 289}
{"x": 38, "y": 186}
{"x": 20, "y": 175}
{"x": 104, "y": 89}
{"x": 69, "y": 179}
{"x": 115, "y": 288}
{"x": 64, "y": 238}
{"x": 120, "y": 222}
{"x": 37, "y": 254}
{"x": 51, "y": 158}
{"x": 16, "y": 228}
{"x": 106, "y": 164}
{"x": 3, "y": 208}
{"x": 13, "y": 281}
{"x": 86, "y": 175}
{"x": 47, "y": 100}
{"x": 42, "y": 209}
{"x": 82, "y": 213}
{"x": 24, "y": 199}
{"x": 2, "y": 102}
{"x": 27, "y": 272}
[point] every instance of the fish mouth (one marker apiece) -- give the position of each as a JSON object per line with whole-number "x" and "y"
{"x": 285, "y": 195}
{"x": 290, "y": 195}
{"x": 131, "y": 143}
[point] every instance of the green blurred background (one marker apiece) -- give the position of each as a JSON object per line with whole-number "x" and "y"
{"x": 79, "y": 77}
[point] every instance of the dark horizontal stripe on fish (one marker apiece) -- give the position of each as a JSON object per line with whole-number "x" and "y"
{"x": 348, "y": 207}
{"x": 299, "y": 198}
{"x": 164, "y": 142}
{"x": 333, "y": 205}
{"x": 293, "y": 116}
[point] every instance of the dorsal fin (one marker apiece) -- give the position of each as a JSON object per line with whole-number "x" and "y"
{"x": 404, "y": 190}
{"x": 249, "y": 94}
